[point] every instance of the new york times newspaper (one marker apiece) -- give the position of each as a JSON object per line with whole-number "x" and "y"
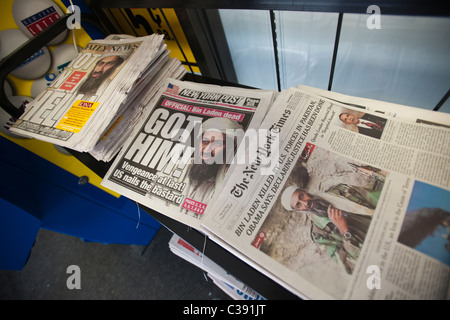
{"x": 179, "y": 154}
{"x": 82, "y": 101}
{"x": 351, "y": 204}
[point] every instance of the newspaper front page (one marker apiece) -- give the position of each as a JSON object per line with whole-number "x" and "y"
{"x": 180, "y": 152}
{"x": 82, "y": 101}
{"x": 334, "y": 210}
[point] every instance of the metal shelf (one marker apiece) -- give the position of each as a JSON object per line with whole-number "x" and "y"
{"x": 396, "y": 7}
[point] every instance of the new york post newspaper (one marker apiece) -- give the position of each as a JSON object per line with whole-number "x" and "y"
{"x": 178, "y": 156}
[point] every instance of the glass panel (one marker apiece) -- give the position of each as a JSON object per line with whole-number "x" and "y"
{"x": 305, "y": 47}
{"x": 249, "y": 39}
{"x": 407, "y": 61}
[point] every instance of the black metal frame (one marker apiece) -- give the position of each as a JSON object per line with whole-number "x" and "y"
{"x": 205, "y": 34}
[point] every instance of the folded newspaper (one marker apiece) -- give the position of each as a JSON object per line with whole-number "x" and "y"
{"x": 333, "y": 197}
{"x": 178, "y": 155}
{"x": 99, "y": 84}
{"x": 345, "y": 198}
{"x": 232, "y": 286}
{"x": 122, "y": 125}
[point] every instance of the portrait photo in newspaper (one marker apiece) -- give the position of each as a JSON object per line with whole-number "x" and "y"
{"x": 362, "y": 122}
{"x": 103, "y": 72}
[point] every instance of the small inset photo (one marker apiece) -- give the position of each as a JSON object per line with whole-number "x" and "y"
{"x": 361, "y": 122}
{"x": 426, "y": 226}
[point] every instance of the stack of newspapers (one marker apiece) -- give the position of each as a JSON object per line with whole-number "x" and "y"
{"x": 331, "y": 196}
{"x": 94, "y": 103}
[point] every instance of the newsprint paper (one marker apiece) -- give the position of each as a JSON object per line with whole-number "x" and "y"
{"x": 340, "y": 203}
{"x": 81, "y": 102}
{"x": 232, "y": 286}
{"x": 178, "y": 155}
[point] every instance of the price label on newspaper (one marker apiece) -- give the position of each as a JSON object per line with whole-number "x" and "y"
{"x": 77, "y": 116}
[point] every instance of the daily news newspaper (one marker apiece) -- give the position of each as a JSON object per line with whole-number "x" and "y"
{"x": 178, "y": 155}
{"x": 82, "y": 101}
{"x": 339, "y": 202}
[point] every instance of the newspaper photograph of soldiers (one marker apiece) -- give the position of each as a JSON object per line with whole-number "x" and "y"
{"x": 321, "y": 218}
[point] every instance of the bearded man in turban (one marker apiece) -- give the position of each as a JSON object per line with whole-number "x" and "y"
{"x": 215, "y": 147}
